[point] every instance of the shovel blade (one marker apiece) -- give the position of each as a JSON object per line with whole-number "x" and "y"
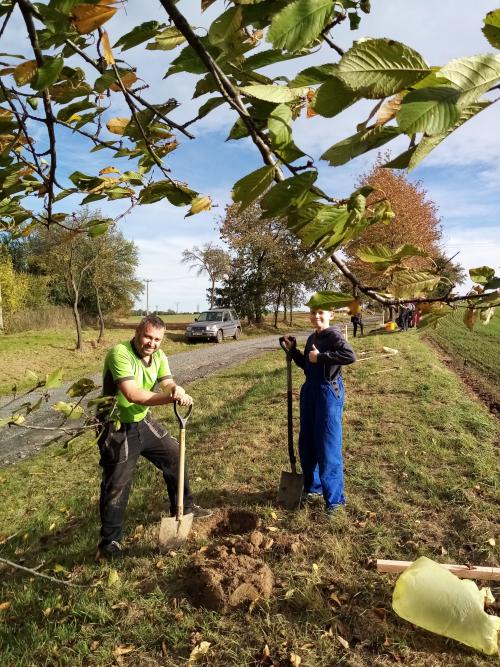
{"x": 290, "y": 489}
{"x": 173, "y": 531}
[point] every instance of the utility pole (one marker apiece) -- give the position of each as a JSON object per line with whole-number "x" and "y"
{"x": 1, "y": 311}
{"x": 177, "y": 307}
{"x": 147, "y": 281}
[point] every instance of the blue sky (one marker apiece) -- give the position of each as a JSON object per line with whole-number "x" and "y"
{"x": 462, "y": 175}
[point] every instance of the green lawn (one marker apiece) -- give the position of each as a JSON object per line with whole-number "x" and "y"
{"x": 421, "y": 465}
{"x": 476, "y": 353}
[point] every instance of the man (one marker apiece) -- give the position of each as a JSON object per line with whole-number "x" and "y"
{"x": 357, "y": 320}
{"x": 131, "y": 371}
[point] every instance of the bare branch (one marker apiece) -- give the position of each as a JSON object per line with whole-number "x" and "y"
{"x": 39, "y": 574}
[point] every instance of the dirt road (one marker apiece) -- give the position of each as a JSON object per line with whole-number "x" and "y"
{"x": 201, "y": 361}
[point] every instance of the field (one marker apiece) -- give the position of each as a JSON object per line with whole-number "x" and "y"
{"x": 421, "y": 460}
{"x": 475, "y": 355}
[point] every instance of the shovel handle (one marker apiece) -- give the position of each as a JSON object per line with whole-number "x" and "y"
{"x": 282, "y": 343}
{"x": 291, "y": 452}
{"x": 182, "y": 419}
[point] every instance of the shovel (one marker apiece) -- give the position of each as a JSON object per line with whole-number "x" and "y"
{"x": 291, "y": 483}
{"x": 175, "y": 530}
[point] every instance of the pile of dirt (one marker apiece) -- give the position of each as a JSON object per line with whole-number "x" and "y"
{"x": 232, "y": 571}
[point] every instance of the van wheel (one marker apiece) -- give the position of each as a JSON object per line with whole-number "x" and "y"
{"x": 220, "y": 336}
{"x": 237, "y": 333}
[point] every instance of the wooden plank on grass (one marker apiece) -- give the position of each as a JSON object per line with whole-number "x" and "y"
{"x": 462, "y": 571}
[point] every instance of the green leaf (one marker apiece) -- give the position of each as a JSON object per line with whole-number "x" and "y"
{"x": 427, "y": 144}
{"x": 139, "y": 34}
{"x": 265, "y": 58}
{"x": 81, "y": 387}
{"x": 189, "y": 61}
{"x": 278, "y": 94}
{"x": 429, "y": 110}
{"x": 251, "y": 186}
{"x": 48, "y": 74}
{"x": 291, "y": 192}
{"x": 299, "y": 24}
{"x": 225, "y": 26}
{"x": 329, "y": 300}
{"x": 376, "y": 68}
{"x": 433, "y": 319}
{"x": 333, "y": 97}
{"x": 279, "y": 125}
{"x": 66, "y": 112}
{"x": 354, "y": 20}
{"x": 384, "y": 257}
{"x": 98, "y": 227}
{"x": 406, "y": 284}
{"x": 167, "y": 40}
{"x": 177, "y": 194}
{"x": 359, "y": 143}
{"x": 491, "y": 28}
{"x": 481, "y": 274}
{"x": 327, "y": 229}
{"x": 472, "y": 76}
{"x": 313, "y": 75}
{"x": 54, "y": 379}
{"x": 209, "y": 105}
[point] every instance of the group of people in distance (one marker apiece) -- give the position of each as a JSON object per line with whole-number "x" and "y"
{"x": 137, "y": 374}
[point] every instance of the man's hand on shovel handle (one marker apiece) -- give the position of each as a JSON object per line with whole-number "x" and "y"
{"x": 179, "y": 395}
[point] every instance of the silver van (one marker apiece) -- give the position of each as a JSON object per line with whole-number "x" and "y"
{"x": 215, "y": 324}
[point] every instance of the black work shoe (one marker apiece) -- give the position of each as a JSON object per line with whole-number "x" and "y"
{"x": 310, "y": 499}
{"x": 109, "y": 551}
{"x": 198, "y": 512}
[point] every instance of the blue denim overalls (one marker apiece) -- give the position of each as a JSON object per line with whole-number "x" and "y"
{"x": 320, "y": 439}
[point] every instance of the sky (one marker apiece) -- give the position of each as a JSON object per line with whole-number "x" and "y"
{"x": 462, "y": 176}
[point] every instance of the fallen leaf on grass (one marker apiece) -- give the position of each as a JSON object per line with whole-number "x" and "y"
{"x": 94, "y": 645}
{"x": 4, "y": 605}
{"x": 272, "y": 529}
{"x": 334, "y": 598}
{"x": 52, "y": 526}
{"x": 491, "y": 541}
{"x": 113, "y": 577}
{"x": 295, "y": 660}
{"x": 123, "y": 650}
{"x": 198, "y": 652}
{"x": 343, "y": 642}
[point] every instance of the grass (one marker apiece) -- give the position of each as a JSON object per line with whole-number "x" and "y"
{"x": 421, "y": 479}
{"x": 475, "y": 353}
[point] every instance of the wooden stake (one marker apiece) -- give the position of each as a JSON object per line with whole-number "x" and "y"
{"x": 462, "y": 571}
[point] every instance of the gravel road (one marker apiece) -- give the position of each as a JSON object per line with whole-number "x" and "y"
{"x": 201, "y": 361}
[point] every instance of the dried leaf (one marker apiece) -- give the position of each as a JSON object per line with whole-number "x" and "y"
{"x": 127, "y": 79}
{"x": 199, "y": 204}
{"x": 388, "y": 110}
{"x": 4, "y": 605}
{"x": 106, "y": 47}
{"x": 343, "y": 642}
{"x": 470, "y": 318}
{"x": 24, "y": 72}
{"x": 492, "y": 541}
{"x": 117, "y": 125}
{"x": 198, "y": 652}
{"x": 114, "y": 170}
{"x": 123, "y": 650}
{"x": 87, "y": 18}
{"x": 295, "y": 660}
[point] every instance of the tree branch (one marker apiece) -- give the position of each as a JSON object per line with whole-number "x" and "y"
{"x": 39, "y": 574}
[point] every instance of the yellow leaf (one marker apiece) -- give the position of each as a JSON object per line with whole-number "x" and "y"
{"x": 127, "y": 80}
{"x": 272, "y": 529}
{"x": 295, "y": 660}
{"x": 354, "y": 307}
{"x": 110, "y": 170}
{"x": 52, "y": 526}
{"x": 113, "y": 577}
{"x": 74, "y": 117}
{"x": 58, "y": 568}
{"x": 117, "y": 125}
{"x": 106, "y": 48}
{"x": 470, "y": 318}
{"x": 24, "y": 72}
{"x": 343, "y": 642}
{"x": 198, "y": 652}
{"x": 492, "y": 541}
{"x": 87, "y": 18}
{"x": 47, "y": 612}
{"x": 200, "y": 204}
{"x": 4, "y": 605}
{"x": 123, "y": 650}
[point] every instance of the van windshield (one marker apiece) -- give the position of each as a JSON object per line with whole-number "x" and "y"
{"x": 210, "y": 317}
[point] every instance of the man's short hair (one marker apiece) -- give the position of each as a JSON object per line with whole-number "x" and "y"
{"x": 153, "y": 320}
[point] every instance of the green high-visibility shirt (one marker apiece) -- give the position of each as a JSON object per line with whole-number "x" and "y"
{"x": 123, "y": 363}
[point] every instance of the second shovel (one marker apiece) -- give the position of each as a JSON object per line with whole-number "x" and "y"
{"x": 291, "y": 483}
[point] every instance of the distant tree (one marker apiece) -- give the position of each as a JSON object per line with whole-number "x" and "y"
{"x": 208, "y": 259}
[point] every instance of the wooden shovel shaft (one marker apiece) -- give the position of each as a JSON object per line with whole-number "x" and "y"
{"x": 180, "y": 481}
{"x": 462, "y": 571}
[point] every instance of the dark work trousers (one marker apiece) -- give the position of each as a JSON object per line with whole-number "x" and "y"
{"x": 119, "y": 453}
{"x": 355, "y": 326}
{"x": 320, "y": 438}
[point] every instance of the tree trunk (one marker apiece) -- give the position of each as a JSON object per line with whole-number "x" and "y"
{"x": 78, "y": 323}
{"x": 285, "y": 311}
{"x": 276, "y": 310}
{"x": 100, "y": 318}
{"x": 212, "y": 294}
{"x": 291, "y": 309}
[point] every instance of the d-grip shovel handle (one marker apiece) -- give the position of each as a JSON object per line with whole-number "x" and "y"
{"x": 182, "y": 457}
{"x": 291, "y": 453}
{"x": 182, "y": 419}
